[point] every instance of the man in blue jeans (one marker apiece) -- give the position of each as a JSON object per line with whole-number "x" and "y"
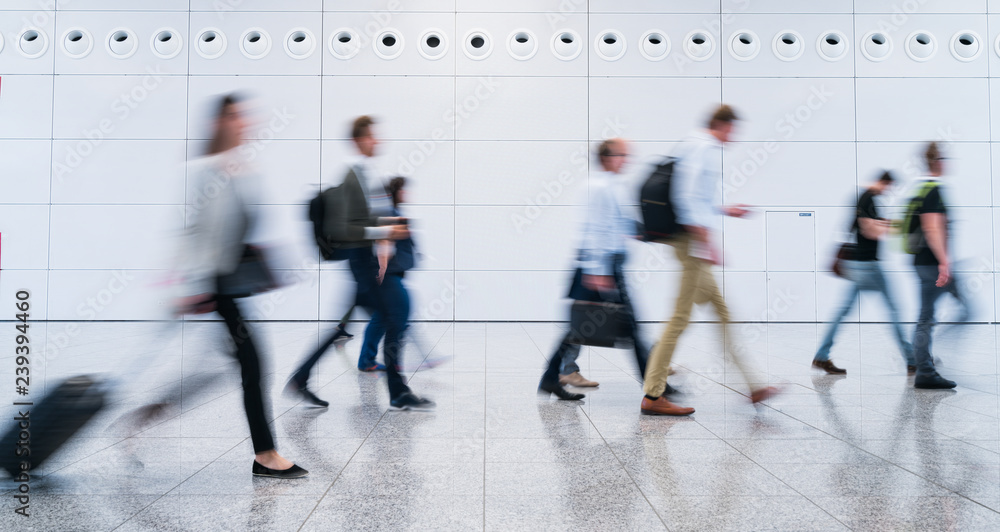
{"x": 933, "y": 266}
{"x": 865, "y": 274}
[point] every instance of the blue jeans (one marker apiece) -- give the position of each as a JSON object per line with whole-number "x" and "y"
{"x": 398, "y": 304}
{"x": 865, "y": 275}
{"x": 569, "y": 357}
{"x": 929, "y": 294}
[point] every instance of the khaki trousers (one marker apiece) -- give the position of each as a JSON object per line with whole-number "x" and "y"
{"x": 698, "y": 286}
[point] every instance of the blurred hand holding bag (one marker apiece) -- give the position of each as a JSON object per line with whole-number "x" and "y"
{"x": 252, "y": 275}
{"x": 845, "y": 252}
{"x": 596, "y": 319}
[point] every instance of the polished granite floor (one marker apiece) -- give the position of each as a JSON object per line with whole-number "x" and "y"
{"x": 862, "y": 452}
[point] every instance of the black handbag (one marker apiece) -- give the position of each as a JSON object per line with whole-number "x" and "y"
{"x": 252, "y": 275}
{"x": 845, "y": 252}
{"x": 596, "y": 323}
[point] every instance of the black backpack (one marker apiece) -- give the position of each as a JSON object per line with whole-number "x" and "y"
{"x": 328, "y": 248}
{"x": 658, "y": 216}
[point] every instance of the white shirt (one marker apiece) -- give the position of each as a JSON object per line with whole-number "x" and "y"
{"x": 697, "y": 180}
{"x": 605, "y": 227}
{"x": 372, "y": 184}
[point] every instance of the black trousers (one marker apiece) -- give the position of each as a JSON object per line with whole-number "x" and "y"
{"x": 551, "y": 375}
{"x": 246, "y": 354}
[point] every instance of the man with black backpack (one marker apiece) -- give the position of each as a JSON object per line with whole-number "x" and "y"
{"x": 926, "y": 237}
{"x": 696, "y": 190}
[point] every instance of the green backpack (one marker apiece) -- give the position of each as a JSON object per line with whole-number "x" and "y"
{"x": 913, "y": 236}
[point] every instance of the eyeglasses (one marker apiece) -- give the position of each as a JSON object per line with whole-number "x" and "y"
{"x": 617, "y": 155}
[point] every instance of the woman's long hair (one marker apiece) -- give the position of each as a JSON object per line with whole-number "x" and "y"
{"x": 220, "y": 142}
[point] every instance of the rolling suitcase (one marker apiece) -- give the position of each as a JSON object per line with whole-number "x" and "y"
{"x": 52, "y": 421}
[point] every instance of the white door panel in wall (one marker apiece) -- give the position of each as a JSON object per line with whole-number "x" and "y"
{"x": 791, "y": 296}
{"x": 429, "y": 166}
{"x": 743, "y": 243}
{"x": 255, "y": 43}
{"x": 512, "y": 295}
{"x": 25, "y": 236}
{"x": 802, "y": 30}
{"x": 746, "y": 295}
{"x": 519, "y": 172}
{"x": 500, "y": 108}
{"x": 34, "y": 61}
{"x": 35, "y": 282}
{"x": 935, "y": 59}
{"x": 119, "y": 171}
{"x": 130, "y": 32}
{"x": 637, "y": 109}
{"x": 784, "y": 7}
{"x": 791, "y": 241}
{"x": 917, "y": 110}
{"x": 25, "y": 178}
{"x": 26, "y": 107}
{"x": 120, "y": 294}
{"x": 538, "y": 28}
{"x": 433, "y": 230}
{"x": 792, "y": 109}
{"x": 119, "y": 107}
{"x": 113, "y": 236}
{"x": 395, "y": 104}
{"x": 509, "y": 238}
{"x": 405, "y": 30}
{"x": 663, "y": 55}
{"x": 968, "y": 179}
{"x": 277, "y": 107}
{"x": 789, "y": 173}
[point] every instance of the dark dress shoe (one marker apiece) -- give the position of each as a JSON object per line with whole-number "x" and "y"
{"x": 410, "y": 401}
{"x": 933, "y": 382}
{"x": 292, "y": 472}
{"x": 560, "y": 392}
{"x": 827, "y": 366}
{"x": 306, "y": 395}
{"x": 342, "y": 333}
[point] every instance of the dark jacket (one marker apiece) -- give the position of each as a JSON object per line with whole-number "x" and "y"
{"x": 349, "y": 214}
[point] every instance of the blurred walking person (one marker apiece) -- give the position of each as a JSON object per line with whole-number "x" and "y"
{"x": 862, "y": 269}
{"x": 927, "y": 237}
{"x": 697, "y": 192}
{"x": 599, "y": 275}
{"x": 221, "y": 267}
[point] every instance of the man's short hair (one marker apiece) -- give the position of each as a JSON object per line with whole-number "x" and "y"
{"x": 723, "y": 115}
{"x": 362, "y": 127}
{"x": 887, "y": 177}
{"x": 932, "y": 154}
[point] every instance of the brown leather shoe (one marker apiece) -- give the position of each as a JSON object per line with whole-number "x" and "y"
{"x": 763, "y": 394}
{"x": 575, "y": 379}
{"x": 662, "y": 407}
{"x": 827, "y": 366}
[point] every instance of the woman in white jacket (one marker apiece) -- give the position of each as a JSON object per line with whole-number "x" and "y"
{"x": 222, "y": 213}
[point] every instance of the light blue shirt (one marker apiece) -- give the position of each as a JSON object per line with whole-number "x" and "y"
{"x": 605, "y": 227}
{"x": 697, "y": 180}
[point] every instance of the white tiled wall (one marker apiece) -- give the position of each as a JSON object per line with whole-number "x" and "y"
{"x": 92, "y": 148}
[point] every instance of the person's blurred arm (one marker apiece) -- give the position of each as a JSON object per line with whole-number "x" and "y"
{"x": 384, "y": 253}
{"x": 873, "y": 228}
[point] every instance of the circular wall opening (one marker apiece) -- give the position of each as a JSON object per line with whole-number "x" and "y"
{"x": 832, "y": 45}
{"x": 787, "y": 45}
{"x": 433, "y": 44}
{"x": 478, "y": 44}
{"x": 255, "y": 43}
{"x": 522, "y": 45}
{"x": 388, "y": 44}
{"x": 344, "y": 43}
{"x": 211, "y": 43}
{"x": 921, "y": 46}
{"x": 654, "y": 45}
{"x": 699, "y": 46}
{"x": 610, "y": 45}
{"x": 876, "y": 46}
{"x": 166, "y": 43}
{"x": 122, "y": 43}
{"x": 744, "y": 45}
{"x": 300, "y": 43}
{"x": 77, "y": 43}
{"x": 566, "y": 45}
{"x": 966, "y": 45}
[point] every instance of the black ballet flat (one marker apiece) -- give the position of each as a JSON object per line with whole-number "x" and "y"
{"x": 292, "y": 472}
{"x": 560, "y": 392}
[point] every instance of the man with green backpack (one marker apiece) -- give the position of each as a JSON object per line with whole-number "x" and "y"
{"x": 925, "y": 236}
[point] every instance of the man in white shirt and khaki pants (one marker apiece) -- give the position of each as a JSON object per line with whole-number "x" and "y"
{"x": 696, "y": 189}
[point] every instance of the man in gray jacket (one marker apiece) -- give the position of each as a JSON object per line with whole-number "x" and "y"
{"x": 362, "y": 216}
